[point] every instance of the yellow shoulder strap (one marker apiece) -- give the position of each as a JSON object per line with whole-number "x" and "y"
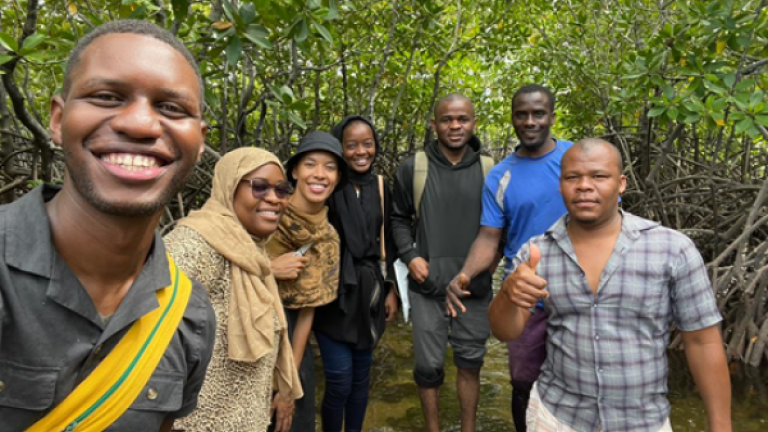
{"x": 420, "y": 167}
{"x": 111, "y": 388}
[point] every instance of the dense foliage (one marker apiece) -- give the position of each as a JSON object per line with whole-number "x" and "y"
{"x": 678, "y": 86}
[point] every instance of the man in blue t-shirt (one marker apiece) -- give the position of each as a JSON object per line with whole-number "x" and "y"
{"x": 521, "y": 197}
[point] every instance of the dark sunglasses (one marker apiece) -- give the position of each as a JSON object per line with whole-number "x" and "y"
{"x": 260, "y": 188}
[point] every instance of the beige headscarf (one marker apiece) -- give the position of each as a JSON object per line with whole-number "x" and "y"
{"x": 253, "y": 292}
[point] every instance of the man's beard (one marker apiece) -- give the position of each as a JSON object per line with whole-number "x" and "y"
{"x": 84, "y": 186}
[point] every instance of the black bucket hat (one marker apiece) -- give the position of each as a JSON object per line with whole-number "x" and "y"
{"x": 319, "y": 141}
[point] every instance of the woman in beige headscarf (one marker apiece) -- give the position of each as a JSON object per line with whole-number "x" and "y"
{"x": 222, "y": 247}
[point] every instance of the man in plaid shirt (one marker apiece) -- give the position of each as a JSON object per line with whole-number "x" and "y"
{"x": 613, "y": 284}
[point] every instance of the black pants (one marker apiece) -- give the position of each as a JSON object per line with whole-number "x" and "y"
{"x": 521, "y": 393}
{"x": 304, "y": 413}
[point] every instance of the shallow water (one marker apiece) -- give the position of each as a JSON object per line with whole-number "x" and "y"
{"x": 394, "y": 404}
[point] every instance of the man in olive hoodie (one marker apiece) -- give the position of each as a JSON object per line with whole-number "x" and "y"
{"x": 434, "y": 246}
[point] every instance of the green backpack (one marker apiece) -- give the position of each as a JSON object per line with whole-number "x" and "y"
{"x": 420, "y": 169}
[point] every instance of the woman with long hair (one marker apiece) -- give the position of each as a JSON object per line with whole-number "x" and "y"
{"x": 222, "y": 247}
{"x": 348, "y": 329}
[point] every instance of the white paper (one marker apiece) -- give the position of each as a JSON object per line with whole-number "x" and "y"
{"x": 401, "y": 272}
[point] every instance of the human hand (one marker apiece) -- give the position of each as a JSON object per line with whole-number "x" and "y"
{"x": 524, "y": 288}
{"x": 284, "y": 406}
{"x": 419, "y": 269}
{"x": 455, "y": 291}
{"x": 288, "y": 266}
{"x": 390, "y": 306}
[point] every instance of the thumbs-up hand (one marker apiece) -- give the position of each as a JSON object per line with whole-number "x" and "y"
{"x": 524, "y": 288}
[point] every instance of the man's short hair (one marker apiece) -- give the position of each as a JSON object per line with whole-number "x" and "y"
{"x": 450, "y": 97}
{"x": 535, "y": 88}
{"x": 588, "y": 144}
{"x": 130, "y": 26}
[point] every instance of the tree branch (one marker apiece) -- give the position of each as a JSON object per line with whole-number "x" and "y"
{"x": 41, "y": 137}
{"x": 382, "y": 66}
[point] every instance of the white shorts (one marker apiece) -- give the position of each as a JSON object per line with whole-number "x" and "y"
{"x": 539, "y": 419}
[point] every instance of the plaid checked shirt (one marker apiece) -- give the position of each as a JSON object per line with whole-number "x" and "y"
{"x": 606, "y": 362}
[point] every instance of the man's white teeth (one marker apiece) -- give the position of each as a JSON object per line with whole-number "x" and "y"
{"x": 131, "y": 162}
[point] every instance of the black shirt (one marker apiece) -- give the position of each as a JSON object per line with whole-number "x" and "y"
{"x": 450, "y": 218}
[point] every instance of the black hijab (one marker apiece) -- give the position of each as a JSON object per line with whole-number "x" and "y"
{"x": 357, "y": 219}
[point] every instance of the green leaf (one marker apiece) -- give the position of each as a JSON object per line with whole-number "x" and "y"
{"x": 742, "y": 101}
{"x": 314, "y": 4}
{"x": 139, "y": 13}
{"x": 36, "y": 56}
{"x": 180, "y": 9}
{"x": 248, "y": 13}
{"x": 333, "y": 11}
{"x": 658, "y": 80}
{"x": 711, "y": 86}
{"x": 300, "y": 30}
{"x": 729, "y": 79}
{"x": 693, "y": 118}
{"x": 228, "y": 10}
{"x": 300, "y": 105}
{"x": 737, "y": 115}
{"x": 672, "y": 113}
{"x": 8, "y": 42}
{"x": 296, "y": 120}
{"x": 31, "y": 42}
{"x": 694, "y": 104}
{"x": 757, "y": 97}
{"x": 287, "y": 93}
{"x": 744, "y": 125}
{"x": 656, "y": 111}
{"x": 259, "y": 35}
{"x": 6, "y": 58}
{"x": 669, "y": 92}
{"x": 719, "y": 104}
{"x": 323, "y": 32}
{"x": 234, "y": 49}
{"x": 762, "y": 120}
{"x": 278, "y": 92}
{"x": 745, "y": 85}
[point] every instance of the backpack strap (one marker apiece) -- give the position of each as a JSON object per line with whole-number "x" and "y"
{"x": 381, "y": 235}
{"x": 420, "y": 168}
{"x": 487, "y": 163}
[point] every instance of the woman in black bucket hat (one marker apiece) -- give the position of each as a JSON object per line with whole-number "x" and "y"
{"x": 305, "y": 254}
{"x": 323, "y": 142}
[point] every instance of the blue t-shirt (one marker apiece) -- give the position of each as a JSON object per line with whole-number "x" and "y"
{"x": 532, "y": 201}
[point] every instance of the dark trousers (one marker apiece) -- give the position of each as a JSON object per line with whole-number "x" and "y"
{"x": 347, "y": 384}
{"x": 304, "y": 413}
{"x": 526, "y": 355}
{"x": 521, "y": 393}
